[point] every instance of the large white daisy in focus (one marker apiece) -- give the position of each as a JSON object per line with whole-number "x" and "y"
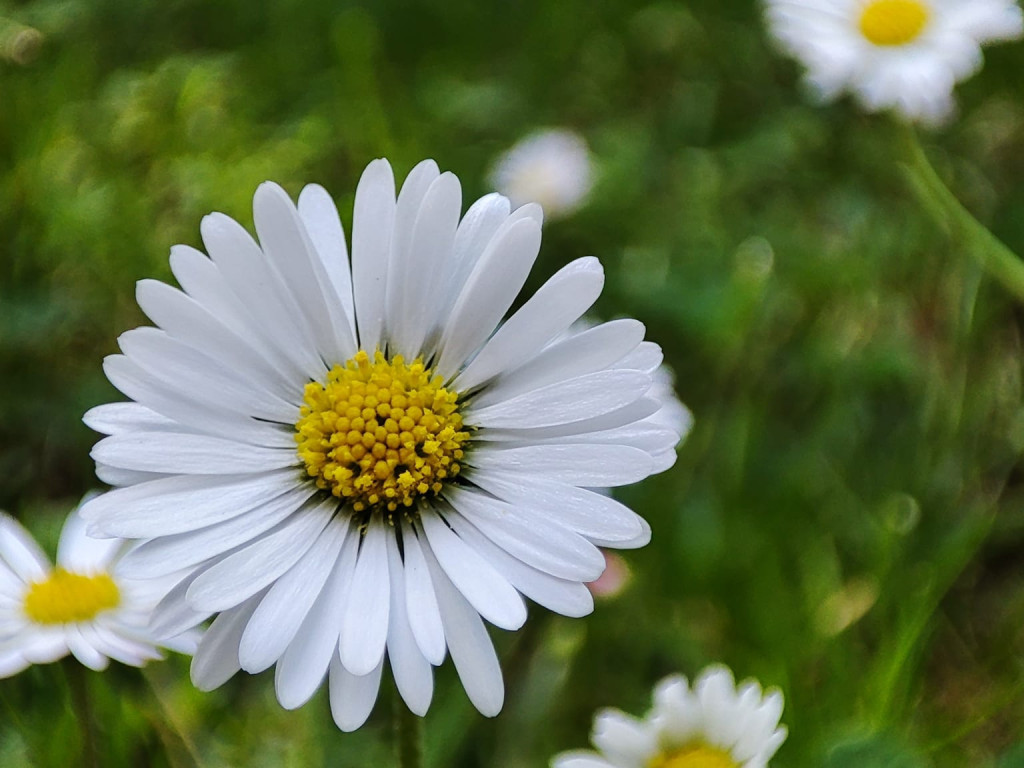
{"x": 714, "y": 724}
{"x": 905, "y": 55}
{"x": 85, "y": 606}
{"x": 366, "y": 462}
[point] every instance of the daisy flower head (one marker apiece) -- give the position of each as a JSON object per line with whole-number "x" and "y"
{"x": 714, "y": 724}
{"x": 904, "y": 55}
{"x": 357, "y": 460}
{"x": 84, "y": 605}
{"x": 550, "y": 167}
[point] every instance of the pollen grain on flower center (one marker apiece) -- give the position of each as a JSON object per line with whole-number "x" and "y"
{"x": 697, "y": 756}
{"x": 380, "y": 434}
{"x": 65, "y": 597}
{"x": 893, "y": 22}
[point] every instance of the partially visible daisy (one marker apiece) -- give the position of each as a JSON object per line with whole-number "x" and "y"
{"x": 358, "y": 465}
{"x": 713, "y": 725}
{"x": 551, "y": 167}
{"x": 905, "y": 55}
{"x": 84, "y": 606}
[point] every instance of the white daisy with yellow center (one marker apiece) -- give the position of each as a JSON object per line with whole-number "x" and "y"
{"x": 713, "y": 725}
{"x": 84, "y": 606}
{"x": 904, "y": 55}
{"x": 363, "y": 462}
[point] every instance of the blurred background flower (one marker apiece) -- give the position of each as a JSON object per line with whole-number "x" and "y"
{"x": 551, "y": 167}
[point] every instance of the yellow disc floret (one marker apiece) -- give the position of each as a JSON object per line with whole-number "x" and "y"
{"x": 380, "y": 434}
{"x": 893, "y": 22}
{"x": 65, "y": 597}
{"x": 696, "y": 756}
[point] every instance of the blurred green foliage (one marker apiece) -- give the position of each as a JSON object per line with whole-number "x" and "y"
{"x": 845, "y": 521}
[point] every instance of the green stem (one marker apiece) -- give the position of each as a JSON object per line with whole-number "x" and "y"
{"x": 178, "y": 747}
{"x": 408, "y": 734}
{"x": 82, "y": 704}
{"x": 999, "y": 261}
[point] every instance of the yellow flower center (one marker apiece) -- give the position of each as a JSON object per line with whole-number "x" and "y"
{"x": 893, "y": 22}
{"x": 694, "y": 756}
{"x": 66, "y": 597}
{"x": 380, "y": 434}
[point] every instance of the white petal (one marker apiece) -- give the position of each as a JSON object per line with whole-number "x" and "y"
{"x": 364, "y": 628}
{"x": 115, "y": 418}
{"x": 323, "y": 224}
{"x": 304, "y": 663}
{"x": 588, "y": 352}
{"x": 352, "y": 697}
{"x": 281, "y": 613}
{"x": 183, "y": 503}
{"x": 590, "y": 514}
{"x": 470, "y": 646}
{"x": 623, "y": 738}
{"x": 475, "y": 231}
{"x": 414, "y": 277}
{"x": 632, "y": 413}
{"x": 593, "y": 394}
{"x": 372, "y": 224}
{"x": 646, "y": 357}
{"x": 216, "y": 659}
{"x": 188, "y": 454}
{"x": 173, "y": 615}
{"x": 167, "y": 554}
{"x": 79, "y": 552}
{"x": 547, "y": 314}
{"x": 251, "y": 278}
{"x": 421, "y": 602}
{"x": 185, "y": 319}
{"x": 19, "y": 551}
{"x": 581, "y": 759}
{"x": 290, "y": 251}
{"x": 590, "y": 466}
{"x": 84, "y": 651}
{"x": 487, "y": 591}
{"x": 489, "y": 292}
{"x": 569, "y": 598}
{"x": 413, "y": 675}
{"x": 250, "y": 569}
{"x": 536, "y": 541}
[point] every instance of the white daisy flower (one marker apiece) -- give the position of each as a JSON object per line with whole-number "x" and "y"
{"x": 713, "y": 725}
{"x": 362, "y": 461}
{"x": 84, "y": 606}
{"x": 550, "y": 167}
{"x": 905, "y": 55}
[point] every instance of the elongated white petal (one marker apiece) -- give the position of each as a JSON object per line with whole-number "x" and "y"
{"x": 536, "y": 541}
{"x": 421, "y": 602}
{"x": 304, "y": 663}
{"x": 364, "y": 628}
{"x": 470, "y": 645}
{"x": 487, "y": 591}
{"x": 180, "y": 503}
{"x": 589, "y": 466}
{"x": 569, "y": 598}
{"x": 323, "y": 224}
{"x": 252, "y": 568}
{"x": 216, "y": 659}
{"x": 188, "y": 454}
{"x": 280, "y": 614}
{"x": 173, "y": 615}
{"x": 115, "y": 418}
{"x": 372, "y": 226}
{"x": 549, "y": 312}
{"x": 79, "y": 552}
{"x": 489, "y": 291}
{"x": 167, "y": 554}
{"x": 585, "y": 397}
{"x": 352, "y": 696}
{"x": 413, "y": 675}
{"x": 20, "y": 551}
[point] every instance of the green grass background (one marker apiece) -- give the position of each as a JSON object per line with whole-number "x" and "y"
{"x": 845, "y": 521}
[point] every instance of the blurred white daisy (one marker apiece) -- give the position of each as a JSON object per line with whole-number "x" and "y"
{"x": 905, "y": 55}
{"x": 362, "y": 461}
{"x": 551, "y": 167}
{"x": 713, "y": 725}
{"x": 84, "y": 606}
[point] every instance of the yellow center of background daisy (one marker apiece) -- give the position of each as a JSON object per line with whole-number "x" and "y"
{"x": 380, "y": 434}
{"x": 66, "y": 597}
{"x": 697, "y": 756}
{"x": 893, "y": 22}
